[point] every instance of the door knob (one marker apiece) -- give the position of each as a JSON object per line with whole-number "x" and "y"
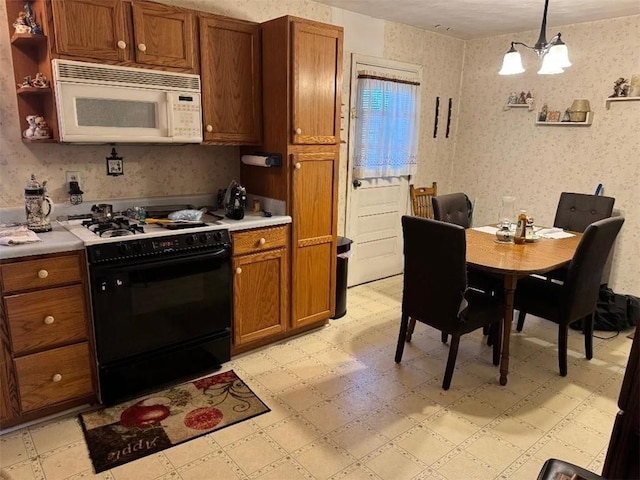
{"x": 122, "y": 45}
{"x": 238, "y": 270}
{"x": 142, "y": 47}
{"x": 49, "y": 319}
{"x": 298, "y": 131}
{"x": 357, "y": 183}
{"x": 209, "y": 128}
{"x": 298, "y": 166}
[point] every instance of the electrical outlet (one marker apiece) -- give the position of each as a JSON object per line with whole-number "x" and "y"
{"x": 73, "y": 177}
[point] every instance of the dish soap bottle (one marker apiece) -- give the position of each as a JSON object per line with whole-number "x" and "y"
{"x": 521, "y": 228}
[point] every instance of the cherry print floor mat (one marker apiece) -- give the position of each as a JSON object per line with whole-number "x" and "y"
{"x": 132, "y": 430}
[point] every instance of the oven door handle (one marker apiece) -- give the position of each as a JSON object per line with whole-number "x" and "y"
{"x": 222, "y": 254}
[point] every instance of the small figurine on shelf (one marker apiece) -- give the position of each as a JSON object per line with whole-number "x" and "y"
{"x": 620, "y": 88}
{"x": 513, "y": 98}
{"x": 42, "y": 128}
{"x": 41, "y": 81}
{"x": 26, "y": 82}
{"x": 31, "y": 129}
{"x": 529, "y": 98}
{"x": 31, "y": 19}
{"x": 522, "y": 99}
{"x": 21, "y": 24}
{"x": 567, "y": 116}
{"x": 543, "y": 113}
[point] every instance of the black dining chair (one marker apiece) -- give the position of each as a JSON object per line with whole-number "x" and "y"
{"x": 576, "y": 297}
{"x": 456, "y": 208}
{"x": 435, "y": 288}
{"x": 453, "y": 208}
{"x": 575, "y": 212}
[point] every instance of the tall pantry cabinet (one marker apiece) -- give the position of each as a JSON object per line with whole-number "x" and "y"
{"x": 302, "y": 82}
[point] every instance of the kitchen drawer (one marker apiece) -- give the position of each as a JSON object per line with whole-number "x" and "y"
{"x": 46, "y": 318}
{"x": 252, "y": 241}
{"x": 54, "y": 376}
{"x": 46, "y": 272}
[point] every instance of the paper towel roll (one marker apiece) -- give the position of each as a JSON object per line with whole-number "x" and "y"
{"x": 261, "y": 160}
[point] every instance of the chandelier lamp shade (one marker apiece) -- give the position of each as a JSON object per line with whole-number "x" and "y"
{"x": 554, "y": 54}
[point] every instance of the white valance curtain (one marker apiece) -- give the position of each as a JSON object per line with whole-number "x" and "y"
{"x": 386, "y": 126}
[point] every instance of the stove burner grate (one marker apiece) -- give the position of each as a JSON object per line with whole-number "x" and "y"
{"x": 115, "y": 227}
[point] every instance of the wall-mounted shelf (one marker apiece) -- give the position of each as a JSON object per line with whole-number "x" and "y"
{"x": 569, "y": 124}
{"x": 607, "y": 102}
{"x": 509, "y": 106}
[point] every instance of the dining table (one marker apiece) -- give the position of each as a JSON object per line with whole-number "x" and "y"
{"x": 512, "y": 261}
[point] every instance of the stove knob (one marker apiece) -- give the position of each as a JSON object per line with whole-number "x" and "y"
{"x": 191, "y": 239}
{"x": 137, "y": 247}
{"x": 124, "y": 248}
{"x": 203, "y": 237}
{"x": 217, "y": 236}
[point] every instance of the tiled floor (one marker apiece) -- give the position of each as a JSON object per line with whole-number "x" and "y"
{"x": 342, "y": 409}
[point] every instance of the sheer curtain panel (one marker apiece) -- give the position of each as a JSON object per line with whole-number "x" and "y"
{"x": 386, "y": 127}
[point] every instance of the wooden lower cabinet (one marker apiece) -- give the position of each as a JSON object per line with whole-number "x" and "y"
{"x": 260, "y": 280}
{"x": 46, "y": 353}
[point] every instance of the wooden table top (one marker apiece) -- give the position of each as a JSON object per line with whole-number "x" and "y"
{"x": 485, "y": 253}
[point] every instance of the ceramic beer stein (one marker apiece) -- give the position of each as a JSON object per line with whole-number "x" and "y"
{"x": 38, "y": 206}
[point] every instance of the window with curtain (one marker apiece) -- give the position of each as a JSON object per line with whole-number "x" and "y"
{"x": 386, "y": 127}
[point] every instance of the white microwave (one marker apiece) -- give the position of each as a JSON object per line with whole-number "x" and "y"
{"x": 112, "y": 104}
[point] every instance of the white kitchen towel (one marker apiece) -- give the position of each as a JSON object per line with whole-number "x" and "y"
{"x": 17, "y": 235}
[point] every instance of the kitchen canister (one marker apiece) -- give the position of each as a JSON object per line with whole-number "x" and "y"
{"x": 579, "y": 109}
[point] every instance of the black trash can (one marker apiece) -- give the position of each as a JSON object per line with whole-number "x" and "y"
{"x": 344, "y": 246}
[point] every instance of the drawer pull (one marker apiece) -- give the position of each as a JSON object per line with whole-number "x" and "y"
{"x": 238, "y": 270}
{"x": 48, "y": 320}
{"x": 43, "y": 274}
{"x": 142, "y": 47}
{"x": 121, "y": 44}
{"x": 298, "y": 131}
{"x": 57, "y": 377}
{"x": 262, "y": 241}
{"x": 298, "y": 165}
{"x": 209, "y": 128}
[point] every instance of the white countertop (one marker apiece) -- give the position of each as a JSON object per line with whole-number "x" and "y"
{"x": 58, "y": 240}
{"x": 61, "y": 240}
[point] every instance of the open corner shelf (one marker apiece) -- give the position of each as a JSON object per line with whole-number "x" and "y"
{"x": 608, "y": 101}
{"x": 509, "y": 106}
{"x": 587, "y": 122}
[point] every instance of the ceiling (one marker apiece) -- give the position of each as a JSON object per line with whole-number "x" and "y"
{"x": 467, "y": 19}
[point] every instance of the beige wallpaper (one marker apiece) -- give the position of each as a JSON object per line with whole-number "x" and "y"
{"x": 504, "y": 153}
{"x": 489, "y": 153}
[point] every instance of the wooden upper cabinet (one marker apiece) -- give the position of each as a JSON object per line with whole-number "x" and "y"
{"x": 316, "y": 70}
{"x": 145, "y": 33}
{"x": 230, "y": 67}
{"x": 91, "y": 29}
{"x": 163, "y": 35}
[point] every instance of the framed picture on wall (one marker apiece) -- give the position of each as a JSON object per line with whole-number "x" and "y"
{"x": 553, "y": 116}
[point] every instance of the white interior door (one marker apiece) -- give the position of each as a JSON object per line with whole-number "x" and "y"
{"x": 374, "y": 226}
{"x": 375, "y": 205}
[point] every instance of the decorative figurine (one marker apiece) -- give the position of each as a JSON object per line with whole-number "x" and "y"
{"x": 529, "y": 98}
{"x": 620, "y": 88}
{"x": 522, "y": 99}
{"x": 31, "y": 129}
{"x": 41, "y": 81}
{"x": 42, "y": 128}
{"x": 567, "y": 116}
{"x": 513, "y": 98}
{"x": 26, "y": 21}
{"x": 543, "y": 113}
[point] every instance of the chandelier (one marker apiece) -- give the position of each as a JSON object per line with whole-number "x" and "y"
{"x": 554, "y": 54}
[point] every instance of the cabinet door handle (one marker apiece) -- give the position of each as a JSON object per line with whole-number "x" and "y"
{"x": 238, "y": 270}
{"x": 209, "y": 128}
{"x": 48, "y": 320}
{"x": 122, "y": 44}
{"x": 262, "y": 241}
{"x": 43, "y": 274}
{"x": 142, "y": 47}
{"x": 298, "y": 165}
{"x": 298, "y": 131}
{"x": 57, "y": 377}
